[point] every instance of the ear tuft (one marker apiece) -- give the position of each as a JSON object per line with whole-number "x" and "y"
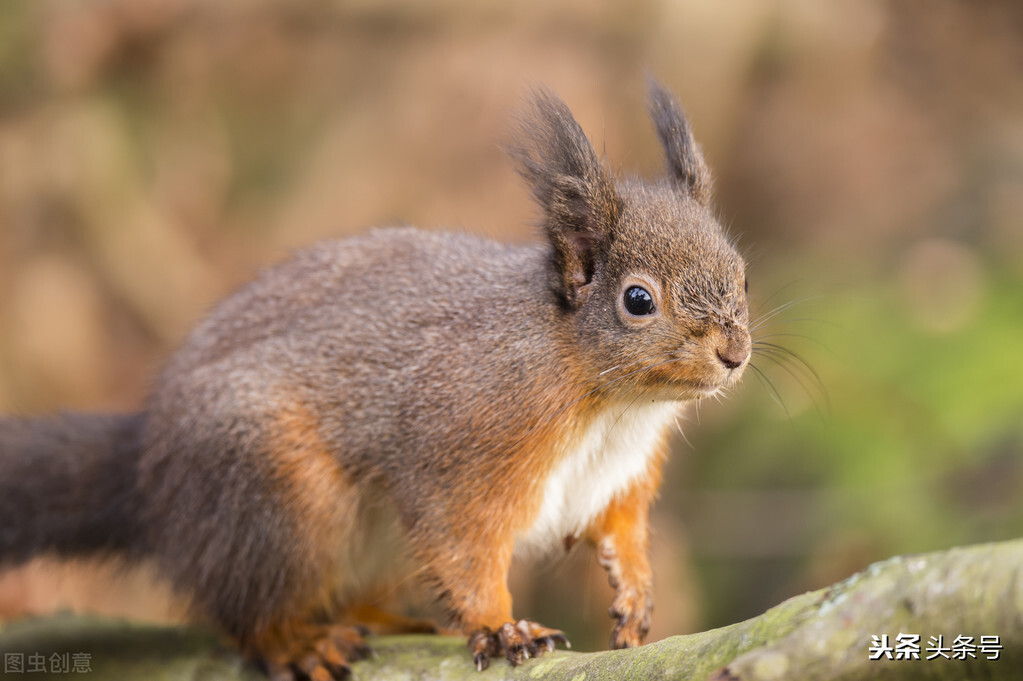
{"x": 686, "y": 166}
{"x": 571, "y": 185}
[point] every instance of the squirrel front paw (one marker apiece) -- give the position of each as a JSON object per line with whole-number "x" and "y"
{"x": 516, "y": 641}
{"x": 631, "y": 610}
{"x": 317, "y": 654}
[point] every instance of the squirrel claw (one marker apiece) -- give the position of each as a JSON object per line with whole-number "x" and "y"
{"x": 547, "y": 643}
{"x": 631, "y": 612}
{"x": 516, "y": 641}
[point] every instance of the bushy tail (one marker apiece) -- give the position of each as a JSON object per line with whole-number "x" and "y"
{"x": 67, "y": 486}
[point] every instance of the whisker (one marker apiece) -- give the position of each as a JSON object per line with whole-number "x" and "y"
{"x": 680, "y": 432}
{"x": 780, "y": 361}
{"x": 763, "y": 303}
{"x": 763, "y": 319}
{"x": 801, "y": 336}
{"x": 798, "y": 378}
{"x": 781, "y": 349}
{"x": 772, "y": 390}
{"x": 636, "y": 361}
{"x": 801, "y": 320}
{"x": 783, "y": 352}
{"x": 760, "y": 320}
{"x": 609, "y": 430}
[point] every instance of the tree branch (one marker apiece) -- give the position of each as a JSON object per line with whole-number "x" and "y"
{"x": 827, "y": 634}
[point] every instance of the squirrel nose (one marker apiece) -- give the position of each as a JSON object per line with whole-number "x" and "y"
{"x": 732, "y": 352}
{"x": 729, "y": 359}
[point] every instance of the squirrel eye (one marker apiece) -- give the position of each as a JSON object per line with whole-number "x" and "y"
{"x": 638, "y": 301}
{"x": 745, "y": 285}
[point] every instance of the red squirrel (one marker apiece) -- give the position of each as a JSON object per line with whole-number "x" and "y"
{"x": 413, "y": 403}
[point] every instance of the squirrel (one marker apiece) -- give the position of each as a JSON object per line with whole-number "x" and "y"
{"x": 411, "y": 403}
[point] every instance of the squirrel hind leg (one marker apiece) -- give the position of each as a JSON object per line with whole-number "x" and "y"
{"x": 299, "y": 650}
{"x": 255, "y": 534}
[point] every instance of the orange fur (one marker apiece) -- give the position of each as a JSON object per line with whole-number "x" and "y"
{"x": 317, "y": 490}
{"x": 484, "y": 519}
{"x": 621, "y": 536}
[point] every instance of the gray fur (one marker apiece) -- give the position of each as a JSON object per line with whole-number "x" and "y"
{"x": 67, "y": 486}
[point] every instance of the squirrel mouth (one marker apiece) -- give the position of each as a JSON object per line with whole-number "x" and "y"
{"x": 697, "y": 388}
{"x": 706, "y": 388}
{"x": 688, "y": 384}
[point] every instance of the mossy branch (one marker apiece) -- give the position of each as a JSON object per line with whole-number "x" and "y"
{"x": 827, "y": 634}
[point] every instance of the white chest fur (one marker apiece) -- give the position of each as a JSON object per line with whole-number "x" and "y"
{"x": 614, "y": 452}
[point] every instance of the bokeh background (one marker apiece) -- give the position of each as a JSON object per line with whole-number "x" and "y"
{"x": 868, "y": 156}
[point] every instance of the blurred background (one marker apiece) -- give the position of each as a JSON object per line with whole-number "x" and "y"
{"x": 868, "y": 155}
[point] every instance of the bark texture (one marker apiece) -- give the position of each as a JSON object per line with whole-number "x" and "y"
{"x": 827, "y": 634}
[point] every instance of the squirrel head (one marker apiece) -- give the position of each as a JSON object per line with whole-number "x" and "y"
{"x": 654, "y": 291}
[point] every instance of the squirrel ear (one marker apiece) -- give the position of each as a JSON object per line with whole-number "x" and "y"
{"x": 686, "y": 166}
{"x": 574, "y": 189}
